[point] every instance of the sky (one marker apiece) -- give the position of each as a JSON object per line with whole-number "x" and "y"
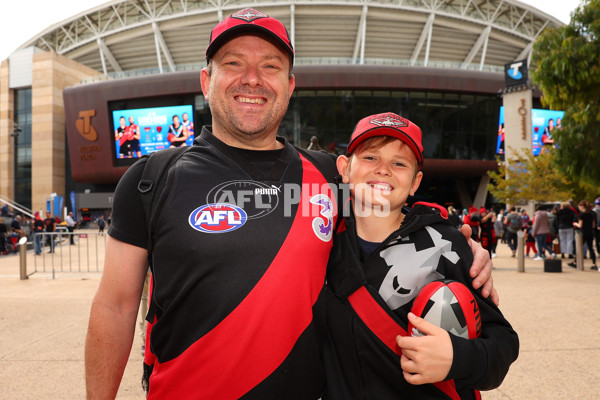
{"x": 21, "y": 20}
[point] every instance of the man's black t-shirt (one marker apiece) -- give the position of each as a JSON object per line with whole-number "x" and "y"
{"x": 240, "y": 249}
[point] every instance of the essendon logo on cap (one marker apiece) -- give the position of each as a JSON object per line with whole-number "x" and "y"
{"x": 249, "y": 14}
{"x": 393, "y": 121}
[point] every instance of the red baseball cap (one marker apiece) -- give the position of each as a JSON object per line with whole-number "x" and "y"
{"x": 388, "y": 124}
{"x": 244, "y": 21}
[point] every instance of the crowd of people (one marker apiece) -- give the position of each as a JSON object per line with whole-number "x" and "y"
{"x": 549, "y": 233}
{"x": 14, "y": 226}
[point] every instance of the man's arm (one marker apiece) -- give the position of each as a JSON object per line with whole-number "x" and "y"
{"x": 112, "y": 318}
{"x": 481, "y": 270}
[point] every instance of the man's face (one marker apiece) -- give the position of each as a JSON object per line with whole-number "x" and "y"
{"x": 248, "y": 91}
{"x": 131, "y": 120}
{"x": 185, "y": 117}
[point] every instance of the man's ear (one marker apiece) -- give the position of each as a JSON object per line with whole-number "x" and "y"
{"x": 292, "y": 85}
{"x": 205, "y": 82}
{"x": 343, "y": 164}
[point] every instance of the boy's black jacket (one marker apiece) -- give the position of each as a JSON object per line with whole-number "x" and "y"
{"x": 425, "y": 248}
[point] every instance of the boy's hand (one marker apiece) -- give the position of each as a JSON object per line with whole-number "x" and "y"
{"x": 425, "y": 359}
{"x": 481, "y": 270}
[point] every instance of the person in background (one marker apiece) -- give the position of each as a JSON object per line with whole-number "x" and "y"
{"x": 513, "y": 225}
{"x": 453, "y": 217}
{"x": 15, "y": 226}
{"x": 524, "y": 219}
{"x": 530, "y": 241}
{"x": 499, "y": 230}
{"x": 101, "y": 225}
{"x": 3, "y": 237}
{"x": 472, "y": 219}
{"x": 5, "y": 212}
{"x": 314, "y": 144}
{"x": 487, "y": 235}
{"x": 597, "y": 231}
{"x": 541, "y": 231}
{"x": 70, "y": 227}
{"x": 587, "y": 223}
{"x": 38, "y": 229}
{"x": 50, "y": 224}
{"x": 566, "y": 217}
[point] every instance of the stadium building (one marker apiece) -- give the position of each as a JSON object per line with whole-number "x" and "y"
{"x": 442, "y": 64}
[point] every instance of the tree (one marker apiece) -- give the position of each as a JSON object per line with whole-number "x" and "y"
{"x": 528, "y": 177}
{"x": 566, "y": 67}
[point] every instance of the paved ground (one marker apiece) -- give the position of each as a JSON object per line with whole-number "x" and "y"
{"x": 43, "y": 323}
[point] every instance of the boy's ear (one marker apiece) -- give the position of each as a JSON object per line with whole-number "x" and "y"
{"x": 342, "y": 164}
{"x": 416, "y": 183}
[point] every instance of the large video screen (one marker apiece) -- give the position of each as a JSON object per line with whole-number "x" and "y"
{"x": 139, "y": 131}
{"x": 543, "y": 126}
{"x": 544, "y": 123}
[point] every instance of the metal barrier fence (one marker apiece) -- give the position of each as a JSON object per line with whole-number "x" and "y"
{"x": 55, "y": 253}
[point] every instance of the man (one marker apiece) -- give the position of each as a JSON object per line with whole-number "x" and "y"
{"x": 236, "y": 298}
{"x": 133, "y": 132}
{"x": 122, "y": 137}
{"x": 15, "y": 226}
{"x": 70, "y": 226}
{"x": 189, "y": 125}
{"x": 177, "y": 133}
{"x": 38, "y": 229}
{"x": 513, "y": 225}
{"x": 50, "y": 224}
{"x": 597, "y": 232}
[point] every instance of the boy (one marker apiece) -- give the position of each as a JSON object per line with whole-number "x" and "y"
{"x": 392, "y": 253}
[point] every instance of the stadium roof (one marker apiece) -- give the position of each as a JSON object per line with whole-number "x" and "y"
{"x": 168, "y": 35}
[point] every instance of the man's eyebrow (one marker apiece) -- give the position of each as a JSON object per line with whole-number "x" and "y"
{"x": 243, "y": 55}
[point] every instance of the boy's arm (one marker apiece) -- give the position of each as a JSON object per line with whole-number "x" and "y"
{"x": 425, "y": 359}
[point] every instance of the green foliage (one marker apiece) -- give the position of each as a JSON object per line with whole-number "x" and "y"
{"x": 528, "y": 177}
{"x": 566, "y": 67}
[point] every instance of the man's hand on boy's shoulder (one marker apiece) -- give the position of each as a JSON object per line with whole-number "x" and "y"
{"x": 481, "y": 270}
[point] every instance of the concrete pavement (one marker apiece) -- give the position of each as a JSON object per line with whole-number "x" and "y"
{"x": 43, "y": 323}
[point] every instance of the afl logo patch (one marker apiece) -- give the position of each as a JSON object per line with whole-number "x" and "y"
{"x": 217, "y": 218}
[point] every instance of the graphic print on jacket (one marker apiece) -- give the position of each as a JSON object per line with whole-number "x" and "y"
{"x": 402, "y": 283}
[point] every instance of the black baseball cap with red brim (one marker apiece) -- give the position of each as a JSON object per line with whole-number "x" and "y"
{"x": 246, "y": 21}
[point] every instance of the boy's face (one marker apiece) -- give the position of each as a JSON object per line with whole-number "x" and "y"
{"x": 381, "y": 176}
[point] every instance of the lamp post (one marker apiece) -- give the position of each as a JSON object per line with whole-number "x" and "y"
{"x": 15, "y": 134}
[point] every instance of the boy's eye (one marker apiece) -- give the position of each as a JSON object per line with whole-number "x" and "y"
{"x": 368, "y": 157}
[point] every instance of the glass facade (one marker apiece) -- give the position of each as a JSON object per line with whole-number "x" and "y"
{"x": 455, "y": 126}
{"x": 22, "y": 147}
